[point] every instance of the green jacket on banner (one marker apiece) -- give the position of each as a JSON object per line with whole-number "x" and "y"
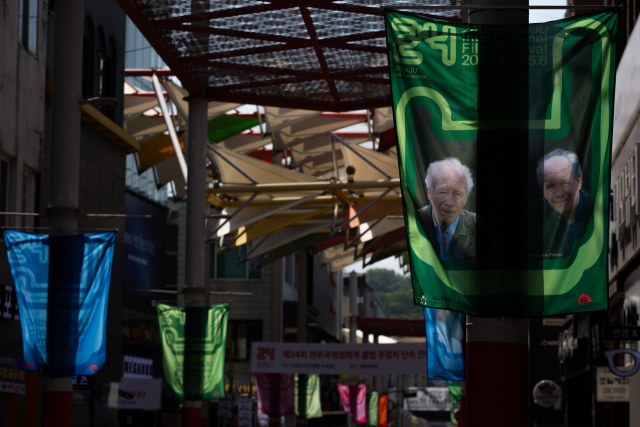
{"x": 372, "y": 409}
{"x": 314, "y": 408}
{"x": 504, "y": 148}
{"x": 455, "y": 395}
{"x": 194, "y": 340}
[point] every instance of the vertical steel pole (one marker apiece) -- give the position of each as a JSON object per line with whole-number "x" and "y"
{"x": 353, "y": 308}
{"x": 497, "y": 356}
{"x": 65, "y": 166}
{"x": 302, "y": 333}
{"x": 195, "y": 292}
{"x": 276, "y": 312}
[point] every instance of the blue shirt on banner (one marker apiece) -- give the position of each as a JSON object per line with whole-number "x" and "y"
{"x": 62, "y": 287}
{"x": 445, "y": 359}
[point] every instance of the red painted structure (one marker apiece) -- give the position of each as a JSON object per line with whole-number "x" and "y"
{"x": 308, "y": 54}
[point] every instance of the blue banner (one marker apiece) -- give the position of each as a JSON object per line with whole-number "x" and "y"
{"x": 62, "y": 286}
{"x": 445, "y": 338}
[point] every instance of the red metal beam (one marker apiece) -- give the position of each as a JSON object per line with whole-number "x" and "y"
{"x": 360, "y": 47}
{"x": 302, "y": 103}
{"x": 328, "y": 42}
{"x": 241, "y": 52}
{"x": 335, "y": 74}
{"x": 231, "y": 33}
{"x": 311, "y": 29}
{"x": 238, "y": 11}
{"x": 377, "y": 11}
{"x": 147, "y": 72}
{"x": 158, "y": 42}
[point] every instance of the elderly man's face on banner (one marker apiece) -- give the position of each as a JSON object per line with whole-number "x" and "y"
{"x": 560, "y": 186}
{"x": 449, "y": 195}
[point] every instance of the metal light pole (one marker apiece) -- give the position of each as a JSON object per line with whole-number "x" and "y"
{"x": 64, "y": 187}
{"x": 195, "y": 292}
{"x": 353, "y": 308}
{"x": 497, "y": 354}
{"x": 302, "y": 333}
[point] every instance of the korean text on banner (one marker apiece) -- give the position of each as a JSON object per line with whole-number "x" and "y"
{"x": 504, "y": 147}
{"x": 276, "y": 394}
{"x": 354, "y": 400}
{"x": 194, "y": 340}
{"x": 316, "y": 358}
{"x": 445, "y": 335}
{"x": 245, "y": 411}
{"x": 62, "y": 286}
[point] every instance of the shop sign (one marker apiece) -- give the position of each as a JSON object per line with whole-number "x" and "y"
{"x": 82, "y": 382}
{"x": 137, "y": 367}
{"x": 140, "y": 393}
{"x": 547, "y": 394}
{"x": 435, "y": 399}
{"x": 316, "y": 358}
{"x": 628, "y": 333}
{"x": 11, "y": 375}
{"x": 245, "y": 410}
{"x": 610, "y": 387}
{"x": 8, "y": 303}
{"x": 225, "y": 408}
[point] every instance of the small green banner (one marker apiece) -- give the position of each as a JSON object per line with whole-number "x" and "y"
{"x": 193, "y": 349}
{"x": 454, "y": 400}
{"x": 314, "y": 408}
{"x": 372, "y": 409}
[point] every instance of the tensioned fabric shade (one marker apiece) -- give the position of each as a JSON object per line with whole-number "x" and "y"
{"x": 155, "y": 151}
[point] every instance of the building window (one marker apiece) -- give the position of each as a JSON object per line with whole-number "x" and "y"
{"x": 28, "y": 197}
{"x": 240, "y": 335}
{"x": 4, "y": 189}
{"x": 28, "y": 25}
{"x": 225, "y": 265}
{"x": 289, "y": 268}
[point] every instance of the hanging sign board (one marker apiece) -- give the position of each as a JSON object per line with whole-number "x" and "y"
{"x": 610, "y": 387}
{"x": 628, "y": 333}
{"x": 140, "y": 393}
{"x": 311, "y": 358}
{"x": 547, "y": 394}
{"x": 12, "y": 376}
{"x": 435, "y": 399}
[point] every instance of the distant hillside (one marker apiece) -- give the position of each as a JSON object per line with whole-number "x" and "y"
{"x": 395, "y": 293}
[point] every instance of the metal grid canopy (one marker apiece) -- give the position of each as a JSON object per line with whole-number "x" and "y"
{"x": 313, "y": 54}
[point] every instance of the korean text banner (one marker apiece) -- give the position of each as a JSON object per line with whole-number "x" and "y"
{"x": 445, "y": 335}
{"x": 194, "y": 340}
{"x": 504, "y": 141}
{"x": 62, "y": 286}
{"x": 336, "y": 359}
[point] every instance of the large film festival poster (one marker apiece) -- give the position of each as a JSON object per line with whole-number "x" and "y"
{"x": 504, "y": 149}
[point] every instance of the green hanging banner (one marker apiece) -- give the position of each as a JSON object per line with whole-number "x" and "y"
{"x": 504, "y": 147}
{"x": 194, "y": 340}
{"x": 314, "y": 407}
{"x": 372, "y": 409}
{"x": 455, "y": 396}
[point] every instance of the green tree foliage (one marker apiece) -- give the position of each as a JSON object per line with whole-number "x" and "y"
{"x": 395, "y": 292}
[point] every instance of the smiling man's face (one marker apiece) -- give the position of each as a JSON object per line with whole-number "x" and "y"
{"x": 448, "y": 197}
{"x": 560, "y": 186}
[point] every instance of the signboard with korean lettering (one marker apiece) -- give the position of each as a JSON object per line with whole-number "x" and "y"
{"x": 628, "y": 333}
{"x": 311, "y": 358}
{"x": 435, "y": 399}
{"x": 11, "y": 375}
{"x": 8, "y": 303}
{"x": 610, "y": 387}
{"x": 245, "y": 411}
{"x": 82, "y": 382}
